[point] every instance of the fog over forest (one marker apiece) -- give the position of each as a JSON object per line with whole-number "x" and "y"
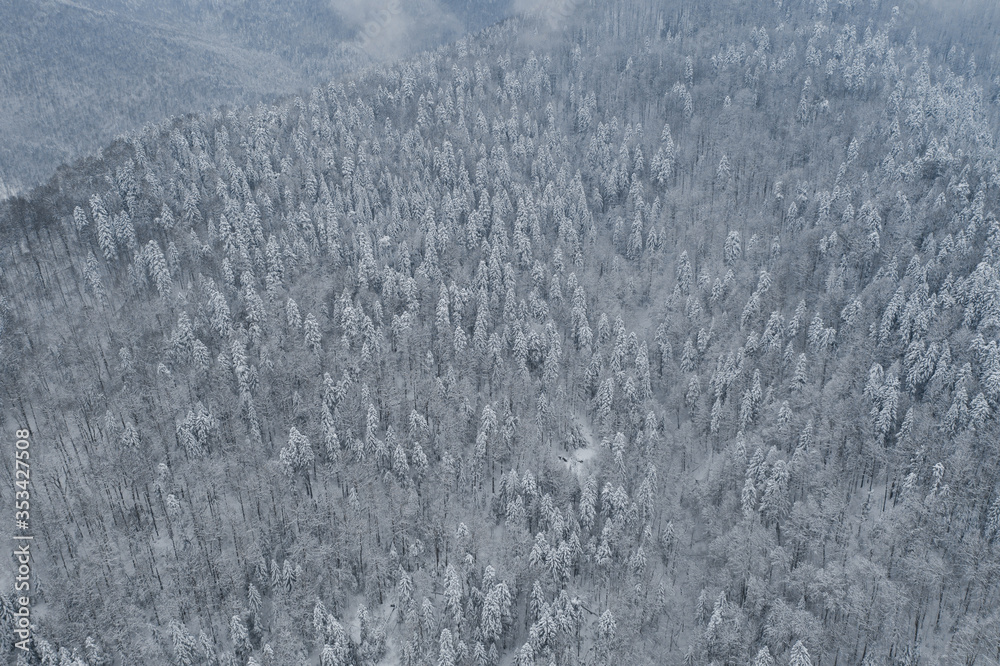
{"x": 75, "y": 74}
{"x": 500, "y": 334}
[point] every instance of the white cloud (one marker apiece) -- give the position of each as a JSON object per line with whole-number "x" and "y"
{"x": 388, "y": 29}
{"x": 555, "y": 12}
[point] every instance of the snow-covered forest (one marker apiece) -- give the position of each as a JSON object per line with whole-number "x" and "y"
{"x": 74, "y": 74}
{"x": 621, "y": 333}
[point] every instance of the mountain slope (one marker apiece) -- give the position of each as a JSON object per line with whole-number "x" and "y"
{"x": 76, "y": 74}
{"x": 636, "y": 334}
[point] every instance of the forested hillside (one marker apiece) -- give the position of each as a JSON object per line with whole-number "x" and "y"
{"x": 633, "y": 333}
{"x": 76, "y": 73}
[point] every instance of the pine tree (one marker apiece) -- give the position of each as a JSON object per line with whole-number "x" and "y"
{"x": 689, "y": 357}
{"x": 763, "y": 657}
{"x": 297, "y": 455}
{"x": 313, "y": 337}
{"x": 93, "y": 278}
{"x": 635, "y": 241}
{"x": 525, "y": 656}
{"x": 693, "y": 392}
{"x": 605, "y": 397}
{"x": 684, "y": 272}
{"x": 774, "y": 503}
{"x": 80, "y": 220}
{"x": 292, "y": 314}
{"x": 800, "y": 378}
{"x": 239, "y": 636}
{"x": 662, "y": 164}
{"x": 722, "y": 176}
{"x": 183, "y": 644}
{"x": 496, "y": 606}
{"x": 254, "y": 602}
{"x": 446, "y": 651}
{"x": 105, "y": 231}
{"x": 799, "y": 656}
{"x": 607, "y": 628}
